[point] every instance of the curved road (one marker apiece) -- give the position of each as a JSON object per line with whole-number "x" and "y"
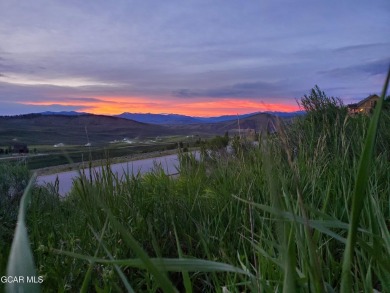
{"x": 168, "y": 163}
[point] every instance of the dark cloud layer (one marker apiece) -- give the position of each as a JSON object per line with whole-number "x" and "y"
{"x": 256, "y": 89}
{"x": 376, "y": 67}
{"x": 362, "y": 47}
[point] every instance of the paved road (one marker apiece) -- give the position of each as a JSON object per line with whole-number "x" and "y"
{"x": 168, "y": 163}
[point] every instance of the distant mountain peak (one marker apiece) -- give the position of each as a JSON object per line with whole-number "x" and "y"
{"x": 176, "y": 119}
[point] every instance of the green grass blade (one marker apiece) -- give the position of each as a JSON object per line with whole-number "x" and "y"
{"x": 161, "y": 278}
{"x": 289, "y": 282}
{"x": 186, "y": 276}
{"x": 117, "y": 268}
{"x": 20, "y": 261}
{"x": 87, "y": 278}
{"x": 360, "y": 191}
{"x": 320, "y": 225}
{"x": 164, "y": 264}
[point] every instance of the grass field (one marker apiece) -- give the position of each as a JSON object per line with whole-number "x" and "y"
{"x": 305, "y": 211}
{"x": 42, "y": 156}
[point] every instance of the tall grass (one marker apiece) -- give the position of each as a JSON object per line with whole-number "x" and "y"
{"x": 277, "y": 217}
{"x": 360, "y": 191}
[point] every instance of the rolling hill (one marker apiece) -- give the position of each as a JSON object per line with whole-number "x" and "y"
{"x": 75, "y": 129}
{"x": 98, "y": 129}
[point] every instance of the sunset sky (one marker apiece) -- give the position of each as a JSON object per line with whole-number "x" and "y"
{"x": 193, "y": 57}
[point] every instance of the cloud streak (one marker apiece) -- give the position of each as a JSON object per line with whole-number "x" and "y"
{"x": 371, "y": 68}
{"x": 243, "y": 90}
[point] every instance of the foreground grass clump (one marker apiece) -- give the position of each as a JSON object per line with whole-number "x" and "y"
{"x": 276, "y": 217}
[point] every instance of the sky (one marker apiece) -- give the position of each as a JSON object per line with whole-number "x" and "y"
{"x": 193, "y": 57}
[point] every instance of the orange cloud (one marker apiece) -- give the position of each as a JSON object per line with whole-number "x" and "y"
{"x": 201, "y": 107}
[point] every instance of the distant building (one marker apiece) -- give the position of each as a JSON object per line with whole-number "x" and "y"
{"x": 365, "y": 106}
{"x": 19, "y": 148}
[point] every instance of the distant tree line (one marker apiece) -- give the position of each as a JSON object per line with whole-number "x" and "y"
{"x": 16, "y": 149}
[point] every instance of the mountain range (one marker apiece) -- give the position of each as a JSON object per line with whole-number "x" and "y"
{"x": 177, "y": 119}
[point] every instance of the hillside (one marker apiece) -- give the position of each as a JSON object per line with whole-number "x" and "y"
{"x": 97, "y": 129}
{"x": 52, "y": 129}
